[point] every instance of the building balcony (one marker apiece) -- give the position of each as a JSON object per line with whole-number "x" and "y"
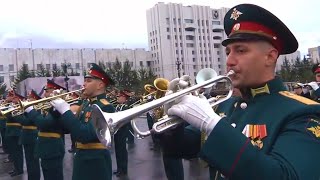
{"x": 216, "y": 35}
{"x": 217, "y": 28}
{"x": 190, "y": 25}
{"x": 191, "y": 33}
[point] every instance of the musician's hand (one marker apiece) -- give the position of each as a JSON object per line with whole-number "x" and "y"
{"x": 197, "y": 112}
{"x": 60, "y": 105}
{"x": 28, "y": 109}
{"x": 314, "y": 85}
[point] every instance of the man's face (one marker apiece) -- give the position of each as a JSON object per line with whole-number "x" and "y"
{"x": 318, "y": 77}
{"x": 297, "y": 91}
{"x": 121, "y": 99}
{"x": 247, "y": 59}
{"x": 91, "y": 86}
{"x": 48, "y": 92}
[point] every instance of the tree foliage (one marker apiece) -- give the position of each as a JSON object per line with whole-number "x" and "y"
{"x": 300, "y": 71}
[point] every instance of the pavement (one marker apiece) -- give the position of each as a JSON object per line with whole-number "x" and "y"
{"x": 143, "y": 163}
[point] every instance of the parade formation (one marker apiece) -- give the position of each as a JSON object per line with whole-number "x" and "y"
{"x": 256, "y": 129}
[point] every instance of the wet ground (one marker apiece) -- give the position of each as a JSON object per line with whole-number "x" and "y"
{"x": 144, "y": 164}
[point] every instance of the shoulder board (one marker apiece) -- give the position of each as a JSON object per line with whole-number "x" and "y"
{"x": 298, "y": 98}
{"x": 104, "y": 101}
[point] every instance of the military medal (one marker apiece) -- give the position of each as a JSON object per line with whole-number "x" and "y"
{"x": 256, "y": 133}
{"x": 88, "y": 114}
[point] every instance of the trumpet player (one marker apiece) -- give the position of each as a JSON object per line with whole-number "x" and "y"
{"x": 120, "y": 138}
{"x": 28, "y": 139}
{"x": 13, "y": 133}
{"x": 92, "y": 159}
{"x": 50, "y": 143}
{"x": 260, "y": 135}
{"x": 301, "y": 90}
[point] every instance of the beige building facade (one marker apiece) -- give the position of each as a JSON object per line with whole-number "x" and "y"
{"x": 11, "y": 60}
{"x": 188, "y": 37}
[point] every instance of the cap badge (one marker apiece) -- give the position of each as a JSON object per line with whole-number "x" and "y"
{"x": 235, "y": 14}
{"x": 236, "y": 27}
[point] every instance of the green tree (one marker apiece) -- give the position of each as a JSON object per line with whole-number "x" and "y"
{"x": 3, "y": 88}
{"x": 56, "y": 72}
{"x": 22, "y": 74}
{"x": 42, "y": 72}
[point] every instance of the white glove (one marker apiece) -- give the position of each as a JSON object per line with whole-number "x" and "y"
{"x": 60, "y": 105}
{"x": 305, "y": 90}
{"x": 197, "y": 112}
{"x": 314, "y": 85}
{"x": 28, "y": 109}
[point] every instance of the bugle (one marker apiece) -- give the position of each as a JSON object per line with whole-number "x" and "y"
{"x": 107, "y": 124}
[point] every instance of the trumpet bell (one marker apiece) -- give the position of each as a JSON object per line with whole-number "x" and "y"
{"x": 206, "y": 74}
{"x": 162, "y": 86}
{"x": 102, "y": 128}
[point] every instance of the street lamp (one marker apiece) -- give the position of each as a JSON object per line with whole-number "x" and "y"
{"x": 65, "y": 67}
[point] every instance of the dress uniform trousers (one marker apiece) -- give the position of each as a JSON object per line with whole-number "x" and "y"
{"x": 121, "y": 149}
{"x": 3, "y": 134}
{"x": 12, "y": 136}
{"x": 28, "y": 139}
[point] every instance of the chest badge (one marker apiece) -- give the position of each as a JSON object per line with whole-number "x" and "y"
{"x": 256, "y": 133}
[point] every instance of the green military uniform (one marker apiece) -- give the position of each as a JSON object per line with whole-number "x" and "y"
{"x": 28, "y": 139}
{"x": 291, "y": 128}
{"x": 13, "y": 132}
{"x": 120, "y": 145}
{"x": 91, "y": 160}
{"x": 3, "y": 126}
{"x": 50, "y": 146}
{"x": 269, "y": 133}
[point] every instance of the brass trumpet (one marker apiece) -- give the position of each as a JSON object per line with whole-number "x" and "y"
{"x": 107, "y": 124}
{"x": 39, "y": 103}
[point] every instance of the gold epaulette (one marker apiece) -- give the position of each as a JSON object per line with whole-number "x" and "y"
{"x": 298, "y": 98}
{"x": 104, "y": 101}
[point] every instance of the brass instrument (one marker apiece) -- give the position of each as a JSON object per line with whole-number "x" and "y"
{"x": 107, "y": 124}
{"x": 40, "y": 103}
{"x": 9, "y": 110}
{"x": 160, "y": 84}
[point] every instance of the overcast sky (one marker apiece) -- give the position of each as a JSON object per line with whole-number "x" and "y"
{"x": 122, "y": 23}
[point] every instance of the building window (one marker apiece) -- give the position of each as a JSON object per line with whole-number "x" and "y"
{"x": 11, "y": 78}
{"x": 181, "y": 51}
{"x": 189, "y": 37}
{"x": 176, "y": 44}
{"x": 88, "y": 65}
{"x": 194, "y": 66}
{"x": 219, "y": 66}
{"x": 174, "y": 21}
{"x": 179, "y": 29}
{"x": 168, "y": 29}
{"x": 195, "y": 74}
{"x": 177, "y": 52}
{"x": 180, "y": 44}
{"x": 11, "y": 67}
{"x": 210, "y": 65}
{"x": 141, "y": 63}
{"x": 1, "y": 67}
{"x": 38, "y": 67}
{"x": 216, "y": 22}
{"x": 131, "y": 64}
{"x": 193, "y": 59}
{"x": 77, "y": 65}
{"x": 192, "y": 52}
{"x": 179, "y": 21}
{"x": 218, "y": 52}
{"x": 188, "y": 20}
{"x": 168, "y": 36}
{"x": 190, "y": 45}
{"x": 175, "y": 29}
{"x": 54, "y": 66}
{"x": 218, "y": 59}
{"x": 216, "y": 45}
{"x": 168, "y": 20}
{"x": 47, "y": 66}
{"x": 1, "y": 79}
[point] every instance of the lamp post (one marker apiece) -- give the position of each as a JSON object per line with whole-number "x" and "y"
{"x": 65, "y": 67}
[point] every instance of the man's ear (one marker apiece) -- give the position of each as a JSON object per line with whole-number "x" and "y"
{"x": 271, "y": 57}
